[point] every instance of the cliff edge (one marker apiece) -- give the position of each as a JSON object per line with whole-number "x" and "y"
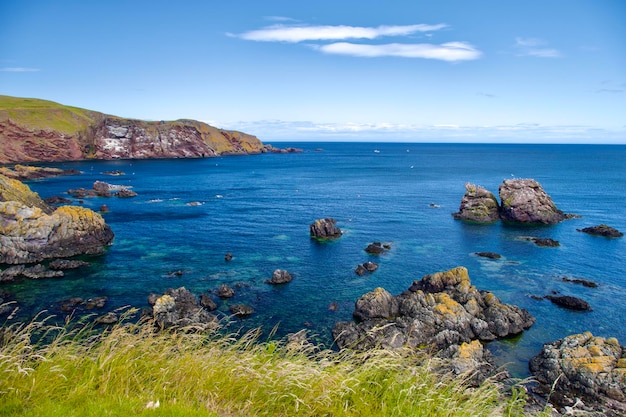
{"x": 33, "y": 130}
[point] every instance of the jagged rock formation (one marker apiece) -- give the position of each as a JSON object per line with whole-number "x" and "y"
{"x": 39, "y": 130}
{"x": 180, "y": 308}
{"x": 31, "y": 231}
{"x": 584, "y": 373}
{"x": 522, "y": 201}
{"x": 478, "y": 205}
{"x": 438, "y": 311}
{"x": 280, "y": 276}
{"x": 324, "y": 229}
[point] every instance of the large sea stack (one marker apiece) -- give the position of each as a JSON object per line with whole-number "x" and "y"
{"x": 39, "y": 130}
{"x": 525, "y": 201}
{"x": 32, "y": 231}
{"x": 478, "y": 205}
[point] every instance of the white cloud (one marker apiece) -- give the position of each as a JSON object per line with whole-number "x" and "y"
{"x": 18, "y": 69}
{"x": 294, "y": 34}
{"x": 535, "y": 47}
{"x": 450, "y": 51}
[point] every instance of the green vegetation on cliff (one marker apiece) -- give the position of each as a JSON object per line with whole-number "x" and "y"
{"x": 133, "y": 369}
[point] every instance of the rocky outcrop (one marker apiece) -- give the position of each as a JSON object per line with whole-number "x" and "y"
{"x": 324, "y": 229}
{"x": 26, "y": 172}
{"x": 438, "y": 311}
{"x": 525, "y": 201}
{"x": 280, "y": 276}
{"x": 31, "y": 231}
{"x": 377, "y": 248}
{"x": 180, "y": 308}
{"x": 39, "y": 130}
{"x": 521, "y": 201}
{"x": 583, "y": 373}
{"x": 602, "y": 230}
{"x": 569, "y": 302}
{"x": 478, "y": 205}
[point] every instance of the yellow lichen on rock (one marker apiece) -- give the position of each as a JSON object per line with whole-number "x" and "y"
{"x": 470, "y": 350}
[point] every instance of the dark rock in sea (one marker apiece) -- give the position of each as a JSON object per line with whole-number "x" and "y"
{"x": 152, "y": 298}
{"x": 108, "y": 318}
{"x": 114, "y": 173}
{"x": 71, "y": 304}
{"x": 65, "y": 264}
{"x": 582, "y": 374}
{"x": 225, "y": 291}
{"x": 37, "y": 271}
{"x": 438, "y": 311}
{"x": 34, "y": 231}
{"x": 228, "y": 257}
{"x": 366, "y": 267}
{"x": 478, "y": 205}
{"x": 584, "y": 282}
{"x": 569, "y": 302}
{"x": 377, "y": 248}
{"x": 280, "y": 276}
{"x": 55, "y": 200}
{"x": 490, "y": 255}
{"x": 540, "y": 241}
{"x": 96, "y": 302}
{"x": 525, "y": 201}
{"x": 324, "y": 229}
{"x": 125, "y": 193}
{"x": 207, "y": 302}
{"x": 179, "y": 308}
{"x": 360, "y": 270}
{"x": 104, "y": 208}
{"x": 177, "y": 273}
{"x": 241, "y": 310}
{"x": 602, "y": 230}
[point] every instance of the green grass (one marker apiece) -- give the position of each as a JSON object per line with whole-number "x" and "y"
{"x": 38, "y": 114}
{"x": 118, "y": 372}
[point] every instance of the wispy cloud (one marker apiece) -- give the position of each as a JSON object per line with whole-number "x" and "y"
{"x": 535, "y": 47}
{"x": 301, "y": 33}
{"x": 486, "y": 95}
{"x": 450, "y": 51}
{"x": 18, "y": 69}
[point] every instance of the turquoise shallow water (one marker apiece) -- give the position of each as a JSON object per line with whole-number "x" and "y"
{"x": 259, "y": 208}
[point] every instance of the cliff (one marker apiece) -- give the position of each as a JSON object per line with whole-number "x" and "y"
{"x": 38, "y": 130}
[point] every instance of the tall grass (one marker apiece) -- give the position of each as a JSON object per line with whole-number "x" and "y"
{"x": 126, "y": 369}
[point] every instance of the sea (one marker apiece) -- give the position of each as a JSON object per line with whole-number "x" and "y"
{"x": 189, "y": 213}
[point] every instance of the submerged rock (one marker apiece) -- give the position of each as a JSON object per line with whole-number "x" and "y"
{"x": 490, "y": 255}
{"x": 324, "y": 229}
{"x": 478, "y": 205}
{"x": 525, "y": 201}
{"x": 31, "y": 231}
{"x": 582, "y": 371}
{"x": 602, "y": 230}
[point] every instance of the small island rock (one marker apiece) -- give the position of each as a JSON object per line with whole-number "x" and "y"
{"x": 602, "y": 230}
{"x": 325, "y": 229}
{"x": 525, "y": 201}
{"x": 280, "y": 276}
{"x": 478, "y": 205}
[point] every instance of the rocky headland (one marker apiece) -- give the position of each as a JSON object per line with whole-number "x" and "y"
{"x": 32, "y": 231}
{"x": 521, "y": 201}
{"x": 44, "y": 131}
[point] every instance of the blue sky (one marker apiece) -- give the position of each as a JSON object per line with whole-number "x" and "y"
{"x": 549, "y": 71}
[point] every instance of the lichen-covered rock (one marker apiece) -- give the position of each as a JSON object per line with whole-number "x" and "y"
{"x": 440, "y": 310}
{"x": 581, "y": 366}
{"x": 478, "y": 205}
{"x": 525, "y": 201}
{"x": 31, "y": 231}
{"x": 324, "y": 229}
{"x": 180, "y": 308}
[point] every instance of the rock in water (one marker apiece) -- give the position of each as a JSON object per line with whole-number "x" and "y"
{"x": 324, "y": 229}
{"x": 569, "y": 302}
{"x": 280, "y": 276}
{"x": 525, "y": 201}
{"x": 581, "y": 366}
{"x": 602, "y": 230}
{"x": 478, "y": 205}
{"x": 180, "y": 308}
{"x": 31, "y": 231}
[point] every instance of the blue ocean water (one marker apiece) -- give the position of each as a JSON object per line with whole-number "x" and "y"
{"x": 259, "y": 208}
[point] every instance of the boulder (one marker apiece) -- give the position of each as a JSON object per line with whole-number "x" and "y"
{"x": 582, "y": 371}
{"x": 324, "y": 229}
{"x": 490, "y": 255}
{"x": 280, "y": 276}
{"x": 241, "y": 310}
{"x": 440, "y": 310}
{"x": 525, "y": 201}
{"x": 180, "y": 308}
{"x": 602, "y": 230}
{"x": 366, "y": 267}
{"x": 569, "y": 302}
{"x": 225, "y": 291}
{"x": 377, "y": 248}
{"x": 207, "y": 302}
{"x": 478, "y": 205}
{"x": 31, "y": 231}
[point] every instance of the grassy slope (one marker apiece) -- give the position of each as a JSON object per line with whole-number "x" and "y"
{"x": 191, "y": 374}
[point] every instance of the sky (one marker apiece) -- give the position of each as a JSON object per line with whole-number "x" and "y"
{"x": 531, "y": 71}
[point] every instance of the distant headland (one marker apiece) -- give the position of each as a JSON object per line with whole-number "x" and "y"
{"x": 34, "y": 130}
